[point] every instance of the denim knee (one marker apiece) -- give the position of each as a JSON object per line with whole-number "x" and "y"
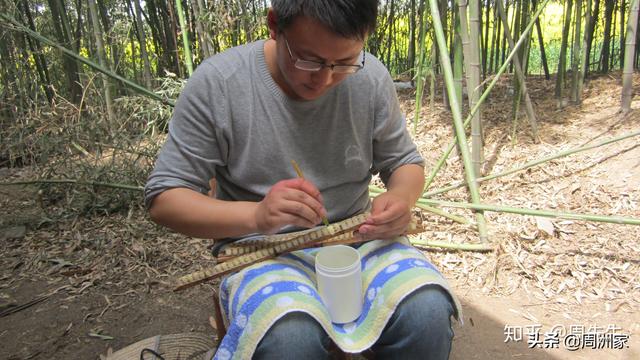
{"x": 420, "y": 328}
{"x": 294, "y": 336}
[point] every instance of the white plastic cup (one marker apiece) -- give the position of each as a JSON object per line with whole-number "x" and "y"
{"x": 340, "y": 282}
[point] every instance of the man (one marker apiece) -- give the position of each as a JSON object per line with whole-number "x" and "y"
{"x": 309, "y": 93}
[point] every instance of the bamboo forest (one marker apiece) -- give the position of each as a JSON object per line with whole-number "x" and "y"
{"x": 525, "y": 112}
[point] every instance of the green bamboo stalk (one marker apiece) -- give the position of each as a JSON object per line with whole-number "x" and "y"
{"x": 472, "y": 71}
{"x": 485, "y": 94}
{"x": 185, "y": 37}
{"x": 534, "y": 212}
{"x": 457, "y": 119}
{"x": 533, "y": 163}
{"x": 458, "y": 60}
{"x": 475, "y": 87}
{"x": 452, "y": 246}
{"x": 436, "y": 211}
{"x": 142, "y": 90}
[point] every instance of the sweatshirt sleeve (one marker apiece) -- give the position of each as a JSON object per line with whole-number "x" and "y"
{"x": 392, "y": 144}
{"x": 196, "y": 143}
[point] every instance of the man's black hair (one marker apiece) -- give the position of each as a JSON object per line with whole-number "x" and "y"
{"x": 353, "y": 19}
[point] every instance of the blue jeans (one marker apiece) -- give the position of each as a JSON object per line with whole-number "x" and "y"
{"x": 420, "y": 328}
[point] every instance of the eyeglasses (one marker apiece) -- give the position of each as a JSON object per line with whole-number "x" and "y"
{"x": 310, "y": 65}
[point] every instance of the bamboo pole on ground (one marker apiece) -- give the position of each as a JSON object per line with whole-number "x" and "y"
{"x": 627, "y": 77}
{"x": 457, "y": 119}
{"x": 534, "y": 163}
{"x": 534, "y": 212}
{"x": 519, "y": 72}
{"x": 484, "y": 96}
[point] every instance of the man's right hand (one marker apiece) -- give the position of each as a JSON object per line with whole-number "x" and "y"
{"x": 290, "y": 202}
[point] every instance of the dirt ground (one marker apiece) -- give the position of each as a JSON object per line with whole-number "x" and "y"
{"x": 72, "y": 289}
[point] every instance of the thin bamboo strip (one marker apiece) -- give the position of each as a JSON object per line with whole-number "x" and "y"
{"x": 452, "y": 246}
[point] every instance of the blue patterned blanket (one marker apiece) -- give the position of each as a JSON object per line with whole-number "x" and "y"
{"x": 254, "y": 298}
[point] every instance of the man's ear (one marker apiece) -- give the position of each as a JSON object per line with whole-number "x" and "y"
{"x": 272, "y": 23}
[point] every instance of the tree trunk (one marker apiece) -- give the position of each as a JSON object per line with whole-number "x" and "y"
{"x": 458, "y": 62}
{"x": 205, "y": 38}
{"x": 622, "y": 34}
{"x": 585, "y": 56}
{"x": 485, "y": 44}
{"x": 516, "y": 62}
{"x": 591, "y": 30}
{"x": 474, "y": 88}
{"x": 560, "y": 77}
{"x": 70, "y": 66}
{"x": 390, "y": 33}
{"x": 495, "y": 41}
{"x": 113, "y": 43}
{"x": 142, "y": 39}
{"x": 36, "y": 53}
{"x": 412, "y": 40}
{"x": 606, "y": 42}
{"x": 575, "y": 59}
{"x": 543, "y": 54}
{"x": 172, "y": 31}
{"x": 158, "y": 37}
{"x": 627, "y": 77}
{"x": 612, "y": 57}
{"x": 185, "y": 38}
{"x": 97, "y": 32}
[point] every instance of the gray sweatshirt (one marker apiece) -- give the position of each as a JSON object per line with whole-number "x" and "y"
{"x": 234, "y": 123}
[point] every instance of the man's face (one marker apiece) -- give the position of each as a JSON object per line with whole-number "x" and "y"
{"x": 309, "y": 40}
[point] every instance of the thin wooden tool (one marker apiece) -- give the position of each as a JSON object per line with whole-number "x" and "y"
{"x": 301, "y": 175}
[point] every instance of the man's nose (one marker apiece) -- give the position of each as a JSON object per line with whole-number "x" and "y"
{"x": 323, "y": 76}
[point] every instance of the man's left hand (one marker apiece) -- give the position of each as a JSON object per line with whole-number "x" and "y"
{"x": 390, "y": 217}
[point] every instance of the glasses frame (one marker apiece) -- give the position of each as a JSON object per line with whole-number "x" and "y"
{"x": 315, "y": 66}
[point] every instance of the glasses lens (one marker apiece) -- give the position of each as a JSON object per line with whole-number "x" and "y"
{"x": 308, "y": 65}
{"x": 346, "y": 69}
